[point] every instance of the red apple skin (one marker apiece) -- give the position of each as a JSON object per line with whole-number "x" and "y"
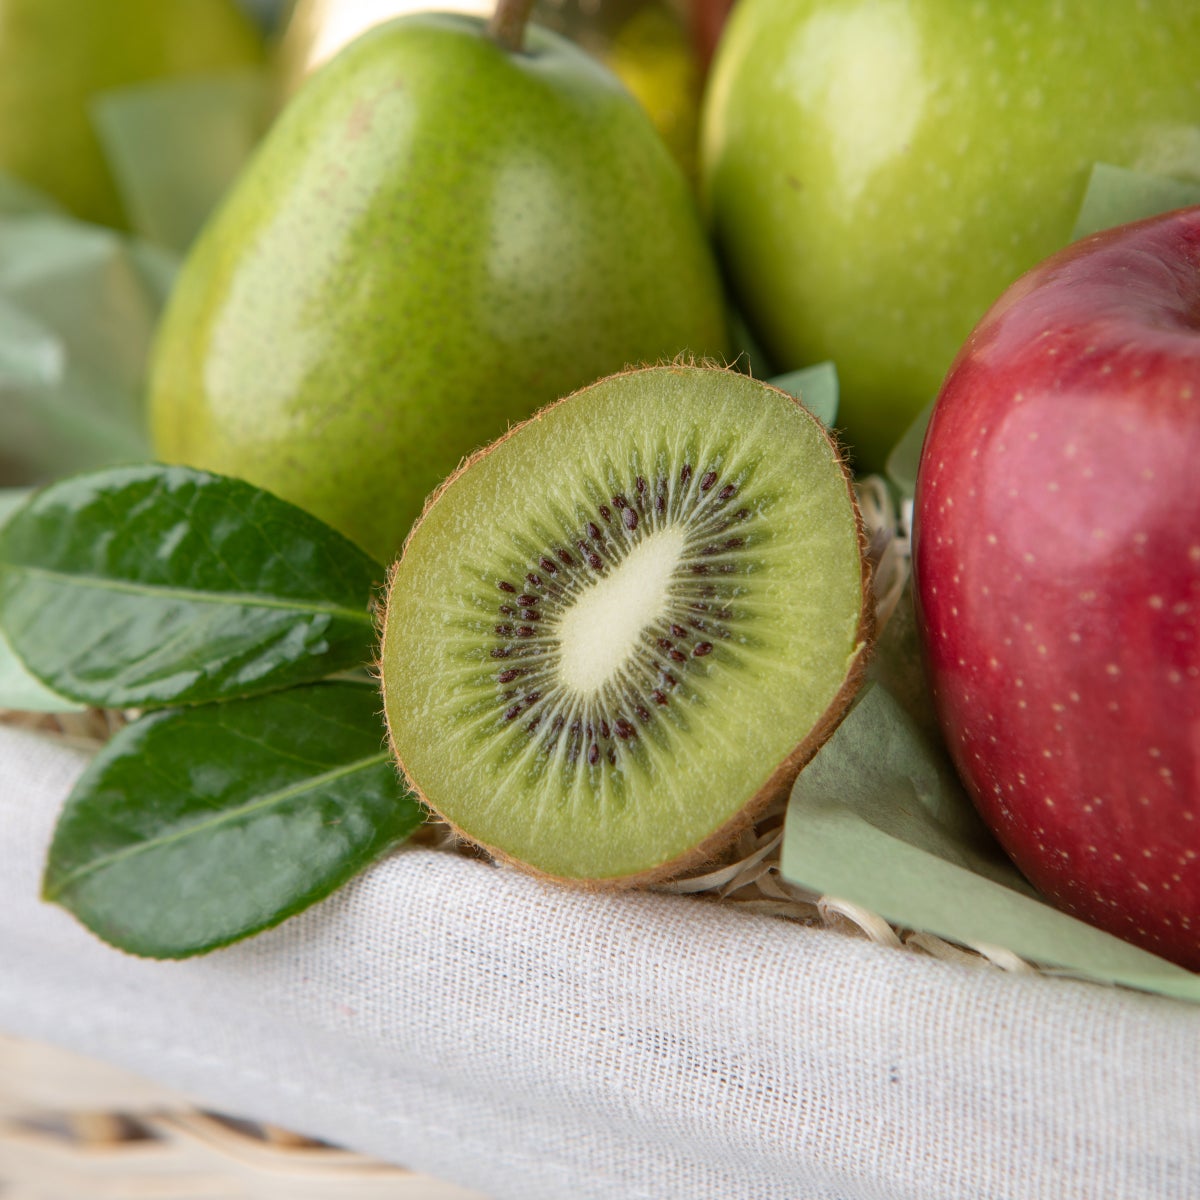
{"x": 1056, "y": 560}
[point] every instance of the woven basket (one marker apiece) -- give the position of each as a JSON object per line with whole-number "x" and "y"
{"x": 749, "y": 877}
{"x": 75, "y": 1129}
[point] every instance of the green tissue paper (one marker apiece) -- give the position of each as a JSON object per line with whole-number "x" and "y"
{"x": 175, "y": 147}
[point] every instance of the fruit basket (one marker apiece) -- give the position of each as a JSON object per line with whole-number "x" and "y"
{"x": 850, "y": 993}
{"x": 472, "y": 1023}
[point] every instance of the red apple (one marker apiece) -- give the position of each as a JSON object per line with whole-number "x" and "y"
{"x": 1057, "y": 573}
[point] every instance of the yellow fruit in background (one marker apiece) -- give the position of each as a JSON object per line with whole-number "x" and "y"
{"x": 652, "y": 54}
{"x": 56, "y": 55}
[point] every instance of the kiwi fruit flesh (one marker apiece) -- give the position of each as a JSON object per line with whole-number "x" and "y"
{"x": 617, "y": 633}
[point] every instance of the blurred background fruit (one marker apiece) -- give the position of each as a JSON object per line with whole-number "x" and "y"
{"x": 707, "y": 19}
{"x": 56, "y": 56}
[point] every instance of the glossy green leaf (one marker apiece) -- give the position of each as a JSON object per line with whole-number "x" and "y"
{"x": 19, "y": 689}
{"x": 149, "y": 585}
{"x": 196, "y": 827}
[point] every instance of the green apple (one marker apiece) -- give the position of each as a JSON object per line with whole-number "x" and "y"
{"x": 437, "y": 237}
{"x": 55, "y": 55}
{"x": 877, "y": 171}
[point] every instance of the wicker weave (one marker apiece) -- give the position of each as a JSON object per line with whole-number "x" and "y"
{"x": 74, "y": 1129}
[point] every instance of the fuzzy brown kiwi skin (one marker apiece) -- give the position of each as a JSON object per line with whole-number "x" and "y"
{"x": 781, "y": 779}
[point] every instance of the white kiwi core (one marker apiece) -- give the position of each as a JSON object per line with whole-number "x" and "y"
{"x": 599, "y": 632}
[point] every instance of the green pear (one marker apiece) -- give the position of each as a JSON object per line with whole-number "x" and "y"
{"x": 438, "y": 236}
{"x": 55, "y": 55}
{"x": 646, "y": 43}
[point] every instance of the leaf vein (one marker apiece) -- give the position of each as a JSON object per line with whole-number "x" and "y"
{"x": 279, "y": 796}
{"x": 195, "y": 595}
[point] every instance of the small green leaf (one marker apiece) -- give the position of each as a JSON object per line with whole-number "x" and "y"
{"x": 20, "y": 690}
{"x": 816, "y": 387}
{"x": 197, "y": 827}
{"x": 149, "y": 585}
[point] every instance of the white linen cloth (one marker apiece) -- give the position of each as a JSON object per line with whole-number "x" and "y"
{"x": 533, "y": 1043}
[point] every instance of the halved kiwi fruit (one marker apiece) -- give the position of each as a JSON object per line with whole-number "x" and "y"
{"x": 617, "y": 634}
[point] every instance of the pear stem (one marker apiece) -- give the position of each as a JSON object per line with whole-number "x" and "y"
{"x": 507, "y": 25}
